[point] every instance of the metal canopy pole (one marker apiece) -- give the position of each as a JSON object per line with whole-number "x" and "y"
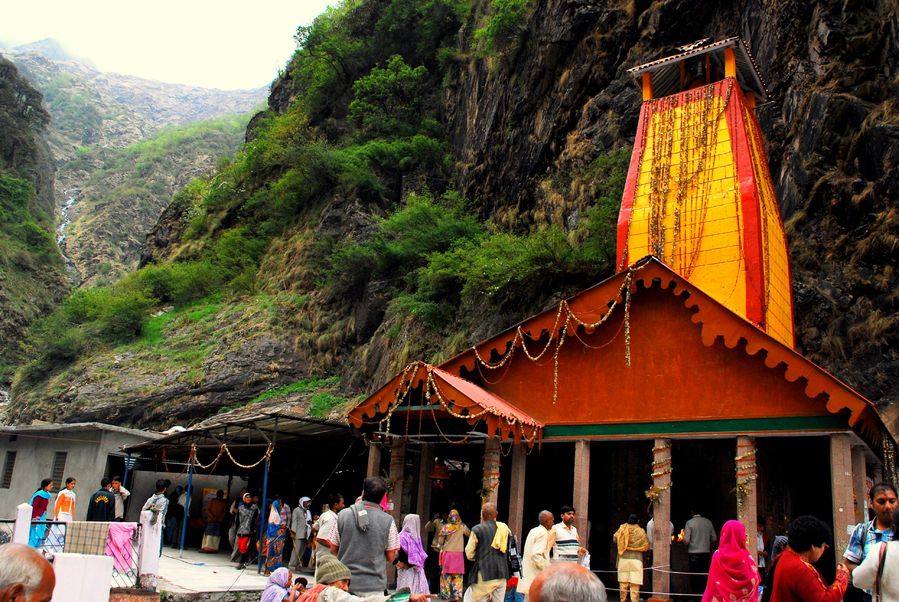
{"x": 263, "y": 519}
{"x": 190, "y": 480}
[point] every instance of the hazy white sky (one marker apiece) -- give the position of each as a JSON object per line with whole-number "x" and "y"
{"x": 213, "y": 44}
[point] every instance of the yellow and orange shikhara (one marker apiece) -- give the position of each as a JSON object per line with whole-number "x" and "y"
{"x": 699, "y": 198}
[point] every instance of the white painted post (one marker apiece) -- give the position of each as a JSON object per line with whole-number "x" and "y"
{"x": 23, "y": 524}
{"x": 148, "y": 551}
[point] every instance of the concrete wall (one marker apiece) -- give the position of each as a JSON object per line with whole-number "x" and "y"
{"x": 87, "y": 450}
{"x": 143, "y": 486}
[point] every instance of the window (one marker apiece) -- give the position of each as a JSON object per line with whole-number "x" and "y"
{"x": 8, "y": 466}
{"x": 59, "y": 468}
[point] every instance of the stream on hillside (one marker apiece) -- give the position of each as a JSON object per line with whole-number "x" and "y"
{"x": 70, "y": 195}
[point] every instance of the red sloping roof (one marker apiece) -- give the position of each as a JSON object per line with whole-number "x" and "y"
{"x": 716, "y": 321}
{"x": 457, "y": 397}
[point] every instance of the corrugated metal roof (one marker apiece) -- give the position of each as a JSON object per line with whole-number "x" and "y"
{"x": 666, "y": 71}
{"x": 254, "y": 425}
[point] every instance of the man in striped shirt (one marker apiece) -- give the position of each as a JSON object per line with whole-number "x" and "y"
{"x": 566, "y": 546}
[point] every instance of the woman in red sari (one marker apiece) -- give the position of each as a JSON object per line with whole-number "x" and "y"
{"x": 733, "y": 575}
{"x": 795, "y": 579}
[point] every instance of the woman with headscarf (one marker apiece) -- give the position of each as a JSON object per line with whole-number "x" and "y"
{"x": 39, "y": 502}
{"x": 733, "y": 574}
{"x": 274, "y": 537}
{"x": 246, "y": 526}
{"x": 278, "y": 588}
{"x": 410, "y": 560}
{"x": 452, "y": 556}
{"x": 632, "y": 541}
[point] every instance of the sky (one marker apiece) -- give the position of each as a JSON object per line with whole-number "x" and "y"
{"x": 213, "y": 44}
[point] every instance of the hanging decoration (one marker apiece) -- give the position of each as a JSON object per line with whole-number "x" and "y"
{"x": 745, "y": 473}
{"x": 567, "y": 321}
{"x": 661, "y": 468}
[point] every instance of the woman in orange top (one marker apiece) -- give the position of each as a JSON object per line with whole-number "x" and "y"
{"x": 795, "y": 579}
{"x": 64, "y": 511}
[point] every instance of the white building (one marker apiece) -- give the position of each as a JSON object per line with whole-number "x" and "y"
{"x": 87, "y": 451}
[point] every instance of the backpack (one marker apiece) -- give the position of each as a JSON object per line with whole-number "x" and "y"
{"x": 513, "y": 556}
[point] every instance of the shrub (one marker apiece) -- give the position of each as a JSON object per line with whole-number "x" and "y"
{"x": 504, "y": 25}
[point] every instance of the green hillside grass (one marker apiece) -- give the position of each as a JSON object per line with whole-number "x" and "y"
{"x": 364, "y": 124}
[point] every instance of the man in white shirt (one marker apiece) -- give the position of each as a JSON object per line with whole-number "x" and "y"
{"x": 326, "y": 529}
{"x": 536, "y": 551}
{"x": 564, "y": 540}
{"x": 121, "y": 494}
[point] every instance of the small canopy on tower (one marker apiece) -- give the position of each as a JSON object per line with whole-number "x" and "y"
{"x": 668, "y": 74}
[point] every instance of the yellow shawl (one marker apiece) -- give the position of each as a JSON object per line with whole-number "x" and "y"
{"x": 631, "y": 538}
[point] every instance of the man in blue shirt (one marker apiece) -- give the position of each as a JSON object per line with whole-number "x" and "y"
{"x": 866, "y": 535}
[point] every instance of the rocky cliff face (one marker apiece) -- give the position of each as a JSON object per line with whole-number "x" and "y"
{"x": 32, "y": 278}
{"x": 92, "y": 114}
{"x": 559, "y": 96}
{"x": 523, "y": 123}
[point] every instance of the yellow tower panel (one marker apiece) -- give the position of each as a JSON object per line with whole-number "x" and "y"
{"x": 700, "y": 199}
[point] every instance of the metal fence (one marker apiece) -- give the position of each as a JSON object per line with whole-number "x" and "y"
{"x": 6, "y": 529}
{"x": 52, "y": 538}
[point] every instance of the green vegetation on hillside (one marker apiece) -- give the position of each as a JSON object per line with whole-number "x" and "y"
{"x": 363, "y": 131}
{"x": 27, "y": 250}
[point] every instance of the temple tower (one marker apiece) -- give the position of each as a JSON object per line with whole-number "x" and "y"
{"x": 698, "y": 195}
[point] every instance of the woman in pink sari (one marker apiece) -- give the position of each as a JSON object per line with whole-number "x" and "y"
{"x": 410, "y": 566}
{"x": 733, "y": 575}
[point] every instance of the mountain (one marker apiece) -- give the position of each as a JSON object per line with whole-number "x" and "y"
{"x": 429, "y": 173}
{"x": 51, "y": 49}
{"x": 97, "y": 120}
{"x": 32, "y": 276}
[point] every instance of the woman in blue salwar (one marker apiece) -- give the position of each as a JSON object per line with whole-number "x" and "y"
{"x": 39, "y": 503}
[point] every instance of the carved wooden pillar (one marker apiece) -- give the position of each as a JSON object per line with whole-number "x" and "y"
{"x": 581, "y": 496}
{"x": 860, "y": 492}
{"x": 397, "y": 476}
{"x": 423, "y": 502}
{"x": 747, "y": 494}
{"x": 373, "y": 469}
{"x": 661, "y": 517}
{"x": 516, "y": 491}
{"x": 490, "y": 475}
{"x": 841, "y": 488}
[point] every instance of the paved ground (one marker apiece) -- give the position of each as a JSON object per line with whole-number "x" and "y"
{"x": 198, "y": 572}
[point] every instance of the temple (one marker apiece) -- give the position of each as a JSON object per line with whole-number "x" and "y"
{"x": 670, "y": 387}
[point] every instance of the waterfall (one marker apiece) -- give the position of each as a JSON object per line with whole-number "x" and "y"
{"x": 70, "y": 195}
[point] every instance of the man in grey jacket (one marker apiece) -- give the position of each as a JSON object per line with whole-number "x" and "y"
{"x": 367, "y": 539}
{"x": 699, "y": 537}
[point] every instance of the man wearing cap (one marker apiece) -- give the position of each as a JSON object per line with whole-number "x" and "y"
{"x": 367, "y": 539}
{"x": 333, "y": 578}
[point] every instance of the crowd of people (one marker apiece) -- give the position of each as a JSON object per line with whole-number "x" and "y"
{"x": 350, "y": 549}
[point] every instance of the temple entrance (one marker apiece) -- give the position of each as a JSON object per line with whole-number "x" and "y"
{"x": 620, "y": 474}
{"x": 549, "y": 479}
{"x": 793, "y": 480}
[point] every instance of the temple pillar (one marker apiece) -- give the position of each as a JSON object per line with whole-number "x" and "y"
{"x": 516, "y": 492}
{"x": 841, "y": 488}
{"x": 581, "y": 497}
{"x": 423, "y": 499}
{"x": 661, "y": 517}
{"x": 397, "y": 476}
{"x": 747, "y": 491}
{"x": 860, "y": 492}
{"x": 876, "y": 474}
{"x": 373, "y": 469}
{"x": 490, "y": 476}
